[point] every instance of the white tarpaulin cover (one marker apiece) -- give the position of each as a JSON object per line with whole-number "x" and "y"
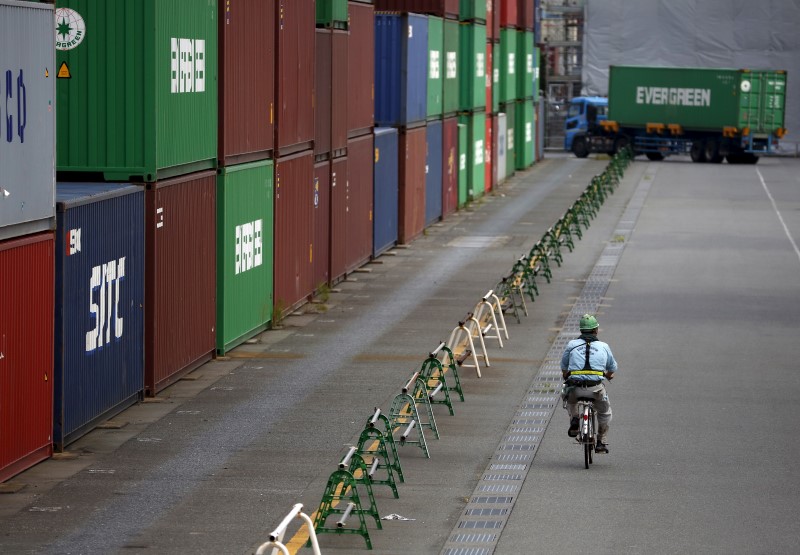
{"x": 738, "y": 34}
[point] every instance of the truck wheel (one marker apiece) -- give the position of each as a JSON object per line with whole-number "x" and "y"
{"x": 712, "y": 152}
{"x": 734, "y": 158}
{"x": 749, "y": 158}
{"x": 579, "y": 147}
{"x": 654, "y": 156}
{"x": 698, "y": 152}
{"x": 621, "y": 143}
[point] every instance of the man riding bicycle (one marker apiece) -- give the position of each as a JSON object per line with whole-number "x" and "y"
{"x": 584, "y": 364}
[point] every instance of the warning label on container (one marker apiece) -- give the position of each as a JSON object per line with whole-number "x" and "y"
{"x": 70, "y": 29}
{"x": 63, "y": 71}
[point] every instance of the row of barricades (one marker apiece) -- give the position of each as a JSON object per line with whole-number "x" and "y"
{"x": 375, "y": 460}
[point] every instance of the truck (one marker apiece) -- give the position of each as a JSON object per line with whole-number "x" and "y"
{"x": 710, "y": 114}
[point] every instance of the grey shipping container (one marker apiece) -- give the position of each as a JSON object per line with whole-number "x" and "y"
{"x": 27, "y": 110}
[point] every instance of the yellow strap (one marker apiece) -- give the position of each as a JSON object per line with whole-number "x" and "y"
{"x": 586, "y": 373}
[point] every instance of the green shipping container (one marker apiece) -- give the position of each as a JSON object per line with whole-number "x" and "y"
{"x": 136, "y": 87}
{"x": 463, "y": 177}
{"x": 537, "y": 64}
{"x": 524, "y": 135}
{"x": 476, "y": 139}
{"x": 698, "y": 99}
{"x": 525, "y": 64}
{"x": 510, "y": 109}
{"x": 332, "y": 13}
{"x": 508, "y": 65}
{"x": 472, "y": 10}
{"x": 495, "y": 77}
{"x": 435, "y": 61}
{"x": 244, "y": 252}
{"x": 473, "y": 66}
{"x": 451, "y": 93}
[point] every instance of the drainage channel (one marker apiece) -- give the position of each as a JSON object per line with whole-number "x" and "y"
{"x": 480, "y": 526}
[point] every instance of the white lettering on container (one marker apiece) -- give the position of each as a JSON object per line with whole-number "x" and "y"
{"x": 670, "y": 96}
{"x": 249, "y": 253}
{"x": 188, "y": 69}
{"x": 480, "y": 65}
{"x": 452, "y": 65}
{"x": 73, "y": 241}
{"x": 104, "y": 304}
{"x": 433, "y": 64}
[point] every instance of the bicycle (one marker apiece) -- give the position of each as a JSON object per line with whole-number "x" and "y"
{"x": 587, "y": 422}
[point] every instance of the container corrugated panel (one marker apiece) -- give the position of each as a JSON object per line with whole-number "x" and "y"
{"x": 294, "y": 229}
{"x": 247, "y": 80}
{"x": 537, "y": 19}
{"x": 244, "y": 252}
{"x": 508, "y": 65}
{"x": 449, "y": 166}
{"x": 321, "y": 216}
{"x": 472, "y": 10}
{"x": 27, "y": 113}
{"x": 385, "y": 189}
{"x": 359, "y": 205}
{"x": 99, "y": 320}
{"x": 496, "y": 63}
{"x": 411, "y": 210}
{"x": 294, "y": 113}
{"x": 489, "y": 74}
{"x": 501, "y": 156}
{"x": 433, "y": 173}
{"x": 525, "y": 14}
{"x": 181, "y": 279}
{"x": 491, "y": 22}
{"x": 27, "y": 268}
{"x": 340, "y": 47}
{"x": 361, "y": 70}
{"x": 472, "y": 39}
{"x": 509, "y": 11}
{"x": 510, "y": 110}
{"x": 440, "y": 8}
{"x": 524, "y": 140}
{"x": 488, "y": 182}
{"x": 435, "y": 67}
{"x": 463, "y": 174}
{"x": 525, "y": 64}
{"x": 536, "y": 64}
{"x": 339, "y": 218}
{"x": 121, "y": 112}
{"x": 323, "y": 85}
{"x": 401, "y": 69}
{"x": 332, "y": 13}
{"x": 476, "y": 136}
{"x": 451, "y": 100}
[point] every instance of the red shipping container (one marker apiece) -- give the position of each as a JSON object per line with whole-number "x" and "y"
{"x": 339, "y": 216}
{"x": 489, "y": 76}
{"x": 490, "y": 21}
{"x": 323, "y": 106}
{"x": 361, "y": 70}
{"x": 360, "y": 176}
{"x": 525, "y": 13}
{"x": 247, "y": 74}
{"x": 411, "y": 212}
{"x": 340, "y": 45}
{"x": 508, "y": 13}
{"x": 180, "y": 277}
{"x": 441, "y": 8}
{"x": 488, "y": 143}
{"x": 449, "y": 166}
{"x": 320, "y": 248}
{"x": 294, "y": 98}
{"x": 27, "y": 312}
{"x": 294, "y": 229}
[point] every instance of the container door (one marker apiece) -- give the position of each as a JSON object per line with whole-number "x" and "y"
{"x": 433, "y": 173}
{"x": 385, "y": 189}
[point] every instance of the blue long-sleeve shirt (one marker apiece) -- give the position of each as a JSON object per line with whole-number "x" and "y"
{"x": 600, "y": 358}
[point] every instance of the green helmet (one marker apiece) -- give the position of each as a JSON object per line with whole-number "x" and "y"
{"x": 588, "y": 322}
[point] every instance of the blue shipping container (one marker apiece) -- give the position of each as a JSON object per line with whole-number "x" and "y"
{"x": 401, "y": 69}
{"x": 99, "y": 320}
{"x": 386, "y": 192}
{"x": 433, "y": 173}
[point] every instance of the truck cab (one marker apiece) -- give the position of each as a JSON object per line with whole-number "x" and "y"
{"x": 583, "y": 115}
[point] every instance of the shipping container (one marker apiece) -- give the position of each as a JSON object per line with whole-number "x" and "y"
{"x": 525, "y": 64}
{"x": 385, "y": 188}
{"x": 451, "y": 100}
{"x": 121, "y": 113}
{"x": 540, "y": 107}
{"x": 509, "y": 11}
{"x": 537, "y": 53}
{"x": 294, "y": 96}
{"x": 27, "y": 269}
{"x": 525, "y": 14}
{"x": 99, "y": 316}
{"x": 440, "y": 8}
{"x": 323, "y": 84}
{"x": 524, "y": 135}
{"x": 411, "y": 202}
{"x": 488, "y": 150}
{"x": 361, "y": 70}
{"x": 698, "y": 99}
{"x": 338, "y": 219}
{"x": 340, "y": 46}
{"x": 501, "y": 157}
{"x": 508, "y": 65}
{"x": 359, "y": 204}
{"x": 294, "y": 231}
{"x": 27, "y": 110}
{"x": 472, "y": 10}
{"x": 496, "y": 63}
{"x": 489, "y": 75}
{"x": 332, "y": 13}
{"x": 247, "y": 80}
{"x": 463, "y": 174}
{"x": 180, "y": 277}
{"x": 435, "y": 61}
{"x": 472, "y": 39}
{"x": 476, "y": 137}
{"x": 510, "y": 110}
{"x": 321, "y": 222}
{"x": 401, "y": 69}
{"x": 244, "y": 252}
{"x": 450, "y": 167}
{"x": 433, "y": 173}
{"x": 492, "y": 22}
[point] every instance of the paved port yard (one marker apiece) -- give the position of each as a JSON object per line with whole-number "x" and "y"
{"x": 701, "y": 309}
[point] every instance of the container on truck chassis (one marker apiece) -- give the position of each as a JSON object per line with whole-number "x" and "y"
{"x": 711, "y": 114}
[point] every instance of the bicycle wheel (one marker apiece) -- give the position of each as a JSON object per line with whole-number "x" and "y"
{"x": 587, "y": 454}
{"x": 592, "y": 441}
